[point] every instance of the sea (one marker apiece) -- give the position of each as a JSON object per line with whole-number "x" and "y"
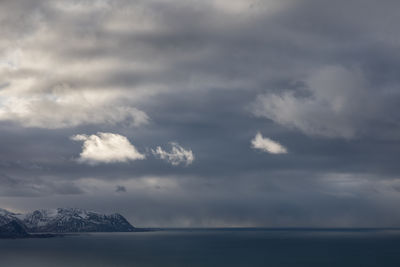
{"x": 209, "y": 247}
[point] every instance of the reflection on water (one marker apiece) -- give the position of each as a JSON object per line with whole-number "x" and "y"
{"x": 211, "y": 247}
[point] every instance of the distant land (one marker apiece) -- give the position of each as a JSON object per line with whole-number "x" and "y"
{"x": 61, "y": 220}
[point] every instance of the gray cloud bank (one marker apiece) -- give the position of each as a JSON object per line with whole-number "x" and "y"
{"x": 319, "y": 76}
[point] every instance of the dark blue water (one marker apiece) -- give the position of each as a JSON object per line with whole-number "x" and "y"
{"x": 240, "y": 247}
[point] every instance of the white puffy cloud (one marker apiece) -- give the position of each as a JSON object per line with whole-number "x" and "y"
{"x": 176, "y": 156}
{"x": 267, "y": 145}
{"x": 106, "y": 148}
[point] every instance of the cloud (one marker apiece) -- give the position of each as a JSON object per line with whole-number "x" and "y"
{"x": 45, "y": 86}
{"x": 57, "y": 111}
{"x": 267, "y": 145}
{"x": 336, "y": 102}
{"x": 106, "y": 148}
{"x": 120, "y": 189}
{"x": 48, "y": 83}
{"x": 176, "y": 156}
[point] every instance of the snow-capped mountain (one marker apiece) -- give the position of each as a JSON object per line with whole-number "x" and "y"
{"x": 7, "y": 216}
{"x": 11, "y": 226}
{"x": 75, "y": 220}
{"x": 67, "y": 220}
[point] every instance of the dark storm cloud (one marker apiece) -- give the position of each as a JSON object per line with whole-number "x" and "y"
{"x": 319, "y": 77}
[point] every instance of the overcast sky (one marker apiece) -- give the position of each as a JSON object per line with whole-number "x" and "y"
{"x": 203, "y": 113}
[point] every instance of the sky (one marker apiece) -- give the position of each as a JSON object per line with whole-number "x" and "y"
{"x": 211, "y": 113}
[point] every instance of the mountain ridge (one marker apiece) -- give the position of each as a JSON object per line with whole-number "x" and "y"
{"x": 66, "y": 220}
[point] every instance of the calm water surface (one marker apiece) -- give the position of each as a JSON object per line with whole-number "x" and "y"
{"x": 223, "y": 247}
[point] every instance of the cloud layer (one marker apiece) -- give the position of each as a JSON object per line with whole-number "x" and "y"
{"x": 106, "y": 148}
